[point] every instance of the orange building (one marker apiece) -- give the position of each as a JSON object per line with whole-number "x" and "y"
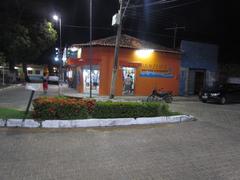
{"x": 143, "y": 66}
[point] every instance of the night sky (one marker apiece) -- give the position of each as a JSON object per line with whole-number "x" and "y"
{"x": 205, "y": 20}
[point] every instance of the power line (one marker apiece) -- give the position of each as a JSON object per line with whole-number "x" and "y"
{"x": 125, "y": 9}
{"x": 136, "y": 13}
{"x": 86, "y": 27}
{"x": 160, "y": 18}
{"x": 176, "y": 6}
{"x": 175, "y": 33}
{"x": 151, "y": 4}
{"x": 124, "y": 29}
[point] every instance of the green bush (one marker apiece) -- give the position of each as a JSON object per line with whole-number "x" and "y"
{"x": 129, "y": 109}
{"x": 75, "y": 108}
{"x": 62, "y": 108}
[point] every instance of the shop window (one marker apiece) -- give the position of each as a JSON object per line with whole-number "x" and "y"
{"x": 95, "y": 80}
{"x": 30, "y": 72}
{"x": 37, "y": 71}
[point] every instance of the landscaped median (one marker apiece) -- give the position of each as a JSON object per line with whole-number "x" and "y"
{"x": 64, "y": 112}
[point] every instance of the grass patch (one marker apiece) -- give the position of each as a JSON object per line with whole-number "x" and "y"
{"x": 7, "y": 113}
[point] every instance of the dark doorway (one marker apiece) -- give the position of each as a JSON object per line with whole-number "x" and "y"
{"x": 199, "y": 81}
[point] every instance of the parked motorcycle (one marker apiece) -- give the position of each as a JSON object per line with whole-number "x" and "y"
{"x": 160, "y": 96}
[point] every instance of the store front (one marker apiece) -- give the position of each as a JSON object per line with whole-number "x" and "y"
{"x": 139, "y": 71}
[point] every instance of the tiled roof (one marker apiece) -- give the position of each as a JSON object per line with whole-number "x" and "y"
{"x": 127, "y": 41}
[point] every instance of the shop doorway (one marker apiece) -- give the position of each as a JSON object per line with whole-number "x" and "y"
{"x": 196, "y": 81}
{"x": 95, "y": 80}
{"x": 199, "y": 82}
{"x": 128, "y": 80}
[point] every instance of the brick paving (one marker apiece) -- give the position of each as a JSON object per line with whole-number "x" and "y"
{"x": 208, "y": 149}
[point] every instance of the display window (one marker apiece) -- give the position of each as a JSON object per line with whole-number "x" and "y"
{"x": 95, "y": 80}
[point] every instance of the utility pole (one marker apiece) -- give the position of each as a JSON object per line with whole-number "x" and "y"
{"x": 175, "y": 33}
{"x": 116, "y": 52}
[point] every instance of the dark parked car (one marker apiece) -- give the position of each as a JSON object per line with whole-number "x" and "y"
{"x": 222, "y": 93}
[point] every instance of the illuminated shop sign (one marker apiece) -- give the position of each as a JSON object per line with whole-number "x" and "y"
{"x": 156, "y": 71}
{"x": 150, "y": 74}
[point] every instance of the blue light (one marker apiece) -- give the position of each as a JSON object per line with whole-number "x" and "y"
{"x": 56, "y": 59}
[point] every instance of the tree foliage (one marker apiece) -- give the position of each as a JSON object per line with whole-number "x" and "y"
{"x": 25, "y": 43}
{"x": 2, "y": 58}
{"x": 230, "y": 70}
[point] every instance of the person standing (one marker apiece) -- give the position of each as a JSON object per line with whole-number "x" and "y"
{"x": 45, "y": 83}
{"x": 128, "y": 83}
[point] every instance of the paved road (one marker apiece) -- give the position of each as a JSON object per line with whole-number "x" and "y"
{"x": 18, "y": 97}
{"x": 206, "y": 149}
{"x": 224, "y": 116}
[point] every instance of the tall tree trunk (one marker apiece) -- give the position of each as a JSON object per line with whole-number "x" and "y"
{"x": 11, "y": 65}
{"x": 24, "y": 66}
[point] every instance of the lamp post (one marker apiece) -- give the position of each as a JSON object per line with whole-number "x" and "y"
{"x": 58, "y": 19}
{"x": 90, "y": 48}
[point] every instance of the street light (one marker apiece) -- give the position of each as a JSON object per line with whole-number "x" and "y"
{"x": 58, "y": 19}
{"x": 55, "y": 17}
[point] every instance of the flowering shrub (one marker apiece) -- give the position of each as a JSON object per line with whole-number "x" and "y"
{"x": 62, "y": 108}
{"x": 79, "y": 108}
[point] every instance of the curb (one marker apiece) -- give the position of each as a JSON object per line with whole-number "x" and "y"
{"x": 83, "y": 123}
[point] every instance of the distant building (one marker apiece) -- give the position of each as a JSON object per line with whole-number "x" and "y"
{"x": 149, "y": 66}
{"x": 199, "y": 66}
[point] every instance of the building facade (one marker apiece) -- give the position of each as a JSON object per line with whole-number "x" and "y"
{"x": 142, "y": 67}
{"x": 199, "y": 66}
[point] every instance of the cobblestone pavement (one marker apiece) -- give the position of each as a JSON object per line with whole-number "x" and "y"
{"x": 207, "y": 149}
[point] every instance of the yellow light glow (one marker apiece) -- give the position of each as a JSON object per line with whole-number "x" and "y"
{"x": 144, "y": 53}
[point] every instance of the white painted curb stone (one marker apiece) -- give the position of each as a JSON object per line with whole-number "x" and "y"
{"x": 14, "y": 123}
{"x": 84, "y": 123}
{"x": 64, "y": 124}
{"x": 102, "y": 122}
{"x": 50, "y": 123}
{"x": 30, "y": 123}
{"x": 2, "y": 123}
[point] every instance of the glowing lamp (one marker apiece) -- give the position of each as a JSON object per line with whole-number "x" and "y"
{"x": 55, "y": 17}
{"x": 56, "y": 59}
{"x": 74, "y": 49}
{"x": 144, "y": 53}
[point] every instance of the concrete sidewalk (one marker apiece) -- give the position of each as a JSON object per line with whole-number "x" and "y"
{"x": 73, "y": 93}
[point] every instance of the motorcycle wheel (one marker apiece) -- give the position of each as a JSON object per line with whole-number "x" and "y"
{"x": 168, "y": 99}
{"x": 153, "y": 99}
{"x": 150, "y": 98}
